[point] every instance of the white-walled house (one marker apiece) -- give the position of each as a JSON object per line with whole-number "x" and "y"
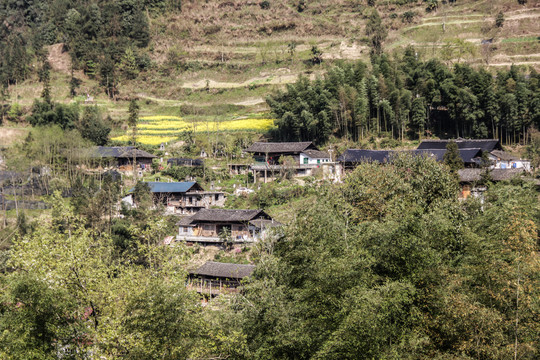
{"x": 270, "y": 160}
{"x": 314, "y": 157}
{"x": 504, "y": 160}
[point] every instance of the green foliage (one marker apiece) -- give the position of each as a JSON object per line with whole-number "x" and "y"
{"x": 37, "y": 319}
{"x": 353, "y": 103}
{"x": 376, "y": 31}
{"x": 93, "y": 127}
{"x": 301, "y": 5}
{"x": 97, "y": 35}
{"x": 390, "y": 266}
{"x": 408, "y": 16}
{"x": 499, "y": 19}
{"x": 15, "y": 112}
{"x": 142, "y": 196}
{"x": 46, "y": 113}
{"x": 162, "y": 321}
{"x": 316, "y": 55}
{"x": 432, "y": 5}
{"x": 181, "y": 173}
{"x": 452, "y": 158}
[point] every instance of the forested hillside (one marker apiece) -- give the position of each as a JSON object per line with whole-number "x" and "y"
{"x": 203, "y": 53}
{"x": 388, "y": 264}
{"x": 402, "y": 259}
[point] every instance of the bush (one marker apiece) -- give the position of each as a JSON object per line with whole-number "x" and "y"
{"x": 499, "y": 20}
{"x": 265, "y": 4}
{"x": 408, "y": 16}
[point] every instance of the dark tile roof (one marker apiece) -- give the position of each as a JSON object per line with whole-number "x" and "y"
{"x": 279, "y": 147}
{"x": 223, "y": 215}
{"x": 120, "y": 152}
{"x": 185, "y": 162}
{"x": 505, "y": 156}
{"x": 469, "y": 156}
{"x": 224, "y": 270}
{"x": 316, "y": 154}
{"x": 473, "y": 175}
{"x": 483, "y": 144}
{"x": 358, "y": 155}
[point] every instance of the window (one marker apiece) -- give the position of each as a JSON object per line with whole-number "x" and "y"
{"x": 306, "y": 160}
{"x": 216, "y": 197}
{"x": 318, "y": 161}
{"x": 208, "y": 227}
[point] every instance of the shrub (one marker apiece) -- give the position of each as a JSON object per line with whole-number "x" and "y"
{"x": 499, "y": 20}
{"x": 265, "y": 4}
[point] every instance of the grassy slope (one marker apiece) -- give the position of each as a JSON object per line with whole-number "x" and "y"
{"x": 220, "y": 52}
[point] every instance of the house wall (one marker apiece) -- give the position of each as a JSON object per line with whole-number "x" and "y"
{"x": 238, "y": 231}
{"x": 513, "y": 164}
{"x": 306, "y": 160}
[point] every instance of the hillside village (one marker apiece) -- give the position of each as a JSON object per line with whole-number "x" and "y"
{"x": 278, "y": 179}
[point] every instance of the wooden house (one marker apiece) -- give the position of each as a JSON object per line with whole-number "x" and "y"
{"x": 214, "y": 278}
{"x": 182, "y": 197}
{"x": 122, "y": 157}
{"x": 216, "y": 226}
{"x": 270, "y": 159}
{"x": 473, "y": 181}
{"x": 185, "y": 162}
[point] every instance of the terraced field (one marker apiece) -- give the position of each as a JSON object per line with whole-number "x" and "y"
{"x": 154, "y": 130}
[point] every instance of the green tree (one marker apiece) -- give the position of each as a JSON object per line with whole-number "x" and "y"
{"x": 93, "y": 127}
{"x": 45, "y": 78}
{"x": 376, "y": 32}
{"x": 452, "y": 157}
{"x": 128, "y": 64}
{"x": 499, "y": 20}
{"x": 418, "y": 115}
{"x": 37, "y": 320}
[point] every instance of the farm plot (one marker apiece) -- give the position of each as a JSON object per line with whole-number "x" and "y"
{"x": 154, "y": 130}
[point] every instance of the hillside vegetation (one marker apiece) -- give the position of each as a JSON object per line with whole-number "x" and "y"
{"x": 203, "y": 54}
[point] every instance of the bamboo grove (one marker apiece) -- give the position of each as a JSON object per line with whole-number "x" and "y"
{"x": 406, "y": 97}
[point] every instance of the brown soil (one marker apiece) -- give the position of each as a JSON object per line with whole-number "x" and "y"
{"x": 59, "y": 58}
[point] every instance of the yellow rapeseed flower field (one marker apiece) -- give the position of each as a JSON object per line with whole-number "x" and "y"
{"x": 154, "y": 130}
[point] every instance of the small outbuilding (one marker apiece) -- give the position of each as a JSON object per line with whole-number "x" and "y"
{"x": 215, "y": 278}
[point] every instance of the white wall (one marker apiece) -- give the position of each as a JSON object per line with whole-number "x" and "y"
{"x": 312, "y": 161}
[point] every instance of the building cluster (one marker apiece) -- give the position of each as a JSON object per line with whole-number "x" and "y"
{"x": 483, "y": 160}
{"x": 203, "y": 221}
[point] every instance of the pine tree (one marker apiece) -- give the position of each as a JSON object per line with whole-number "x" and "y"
{"x": 452, "y": 157}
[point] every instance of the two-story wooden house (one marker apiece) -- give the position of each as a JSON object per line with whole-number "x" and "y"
{"x": 270, "y": 159}
{"x": 182, "y": 197}
{"x": 218, "y": 226}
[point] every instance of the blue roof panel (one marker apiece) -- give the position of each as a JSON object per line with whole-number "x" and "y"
{"x": 169, "y": 187}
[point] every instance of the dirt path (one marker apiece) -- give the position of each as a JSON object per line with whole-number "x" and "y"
{"x": 436, "y": 21}
{"x": 251, "y": 102}
{"x": 261, "y": 80}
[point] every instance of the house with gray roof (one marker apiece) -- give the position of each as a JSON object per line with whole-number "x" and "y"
{"x": 220, "y": 226}
{"x": 473, "y": 180}
{"x": 499, "y": 158}
{"x": 353, "y": 157}
{"x": 270, "y": 159}
{"x": 215, "y": 278}
{"x": 122, "y": 157}
{"x": 483, "y": 144}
